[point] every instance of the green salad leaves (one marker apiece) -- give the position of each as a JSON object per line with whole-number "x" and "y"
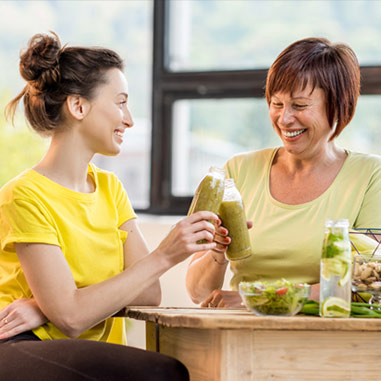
{"x": 281, "y": 298}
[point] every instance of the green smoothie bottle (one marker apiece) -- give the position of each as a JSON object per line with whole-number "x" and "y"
{"x": 209, "y": 193}
{"x": 233, "y": 218}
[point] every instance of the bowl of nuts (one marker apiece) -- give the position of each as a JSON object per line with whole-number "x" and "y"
{"x": 367, "y": 276}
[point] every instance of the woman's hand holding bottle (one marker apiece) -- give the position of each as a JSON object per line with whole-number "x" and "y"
{"x": 183, "y": 237}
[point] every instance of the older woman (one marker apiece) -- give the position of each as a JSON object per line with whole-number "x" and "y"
{"x": 289, "y": 192}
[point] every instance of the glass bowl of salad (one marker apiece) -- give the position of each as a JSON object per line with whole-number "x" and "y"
{"x": 279, "y": 298}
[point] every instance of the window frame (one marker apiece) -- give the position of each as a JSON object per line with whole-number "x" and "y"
{"x": 168, "y": 87}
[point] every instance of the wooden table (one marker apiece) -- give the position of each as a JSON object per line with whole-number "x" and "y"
{"x": 235, "y": 345}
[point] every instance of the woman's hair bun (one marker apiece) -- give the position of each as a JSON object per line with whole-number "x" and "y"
{"x": 39, "y": 63}
{"x": 54, "y": 72}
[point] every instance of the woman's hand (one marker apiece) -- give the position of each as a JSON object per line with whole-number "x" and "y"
{"x": 20, "y": 316}
{"x": 315, "y": 292}
{"x": 183, "y": 237}
{"x": 223, "y": 299}
{"x": 206, "y": 271}
{"x": 223, "y": 240}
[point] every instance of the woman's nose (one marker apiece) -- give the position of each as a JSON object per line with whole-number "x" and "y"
{"x": 287, "y": 116}
{"x": 127, "y": 118}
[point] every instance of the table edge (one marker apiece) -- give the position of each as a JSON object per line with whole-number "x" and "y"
{"x": 242, "y": 319}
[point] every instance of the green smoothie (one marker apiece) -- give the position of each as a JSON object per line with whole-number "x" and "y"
{"x": 234, "y": 219}
{"x": 209, "y": 193}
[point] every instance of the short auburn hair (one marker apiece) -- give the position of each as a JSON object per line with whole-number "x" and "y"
{"x": 334, "y": 68}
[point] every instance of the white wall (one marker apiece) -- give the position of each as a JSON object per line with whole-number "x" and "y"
{"x": 154, "y": 230}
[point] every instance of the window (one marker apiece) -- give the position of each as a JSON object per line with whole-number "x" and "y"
{"x": 210, "y": 65}
{"x": 240, "y": 34}
{"x": 205, "y": 62}
{"x": 211, "y": 131}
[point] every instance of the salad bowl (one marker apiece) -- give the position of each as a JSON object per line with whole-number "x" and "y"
{"x": 279, "y": 298}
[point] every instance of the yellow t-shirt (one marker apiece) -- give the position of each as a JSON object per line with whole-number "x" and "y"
{"x": 286, "y": 239}
{"x": 85, "y": 226}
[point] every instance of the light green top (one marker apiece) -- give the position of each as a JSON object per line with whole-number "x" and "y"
{"x": 286, "y": 239}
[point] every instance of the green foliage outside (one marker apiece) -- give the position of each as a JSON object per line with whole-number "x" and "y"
{"x": 20, "y": 146}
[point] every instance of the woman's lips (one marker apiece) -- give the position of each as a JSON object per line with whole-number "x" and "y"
{"x": 293, "y": 134}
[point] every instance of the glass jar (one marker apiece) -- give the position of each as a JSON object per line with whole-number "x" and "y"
{"x": 336, "y": 270}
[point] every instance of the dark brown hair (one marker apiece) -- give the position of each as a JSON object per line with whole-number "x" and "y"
{"x": 53, "y": 72}
{"x": 332, "y": 67}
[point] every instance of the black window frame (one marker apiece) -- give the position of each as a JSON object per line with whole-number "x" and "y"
{"x": 168, "y": 87}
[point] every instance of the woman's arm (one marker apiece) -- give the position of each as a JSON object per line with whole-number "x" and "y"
{"x": 206, "y": 271}
{"x": 20, "y": 316}
{"x": 135, "y": 248}
{"x": 74, "y": 310}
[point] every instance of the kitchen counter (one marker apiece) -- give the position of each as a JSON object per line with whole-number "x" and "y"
{"x": 235, "y": 345}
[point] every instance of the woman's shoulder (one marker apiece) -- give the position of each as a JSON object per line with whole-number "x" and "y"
{"x": 101, "y": 173}
{"x": 104, "y": 178}
{"x": 262, "y": 155}
{"x": 249, "y": 166}
{"x": 362, "y": 161}
{"x": 250, "y": 160}
{"x": 20, "y": 186}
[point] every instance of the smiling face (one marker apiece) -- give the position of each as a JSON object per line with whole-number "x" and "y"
{"x": 300, "y": 120}
{"x": 109, "y": 115}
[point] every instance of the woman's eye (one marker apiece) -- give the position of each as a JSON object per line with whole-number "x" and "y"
{"x": 121, "y": 103}
{"x": 276, "y": 104}
{"x": 300, "y": 106}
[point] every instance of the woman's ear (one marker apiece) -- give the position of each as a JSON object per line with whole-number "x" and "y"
{"x": 77, "y": 106}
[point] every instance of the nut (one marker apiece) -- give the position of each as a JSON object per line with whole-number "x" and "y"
{"x": 375, "y": 285}
{"x": 366, "y": 273}
{"x": 362, "y": 287}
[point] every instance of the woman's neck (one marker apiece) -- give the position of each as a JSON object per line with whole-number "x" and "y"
{"x": 67, "y": 164}
{"x": 294, "y": 180}
{"x": 331, "y": 154}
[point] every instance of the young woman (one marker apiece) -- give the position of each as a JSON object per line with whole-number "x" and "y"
{"x": 72, "y": 254}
